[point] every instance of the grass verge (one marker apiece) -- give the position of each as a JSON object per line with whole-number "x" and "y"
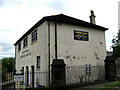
{"x": 109, "y": 86}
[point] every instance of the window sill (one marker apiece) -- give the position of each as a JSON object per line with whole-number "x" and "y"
{"x": 37, "y": 68}
{"x": 33, "y": 42}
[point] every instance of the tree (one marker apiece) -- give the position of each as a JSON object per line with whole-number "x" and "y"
{"x": 8, "y": 64}
{"x": 116, "y": 45}
{"x": 7, "y": 67}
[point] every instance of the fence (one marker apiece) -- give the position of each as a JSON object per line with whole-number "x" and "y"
{"x": 82, "y": 74}
{"x": 74, "y": 75}
{"x": 7, "y": 78}
{"x": 36, "y": 79}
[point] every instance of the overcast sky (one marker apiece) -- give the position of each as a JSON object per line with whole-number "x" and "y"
{"x": 18, "y": 16}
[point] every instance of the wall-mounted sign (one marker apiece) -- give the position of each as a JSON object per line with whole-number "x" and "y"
{"x": 18, "y": 78}
{"x": 25, "y": 53}
{"x": 81, "y": 35}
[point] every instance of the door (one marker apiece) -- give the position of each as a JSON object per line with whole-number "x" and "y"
{"x": 27, "y": 76}
{"x": 32, "y": 68}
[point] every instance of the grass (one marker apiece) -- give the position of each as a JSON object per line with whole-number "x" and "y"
{"x": 102, "y": 88}
{"x": 108, "y": 86}
{"x": 113, "y": 84}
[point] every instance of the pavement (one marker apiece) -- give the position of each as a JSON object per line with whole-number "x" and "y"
{"x": 89, "y": 87}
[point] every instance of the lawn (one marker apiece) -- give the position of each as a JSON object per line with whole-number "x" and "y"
{"x": 108, "y": 86}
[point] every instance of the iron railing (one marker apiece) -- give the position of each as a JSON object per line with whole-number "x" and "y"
{"x": 73, "y": 74}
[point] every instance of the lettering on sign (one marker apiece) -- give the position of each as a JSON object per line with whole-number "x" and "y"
{"x": 81, "y": 35}
{"x": 25, "y": 53}
{"x": 18, "y": 78}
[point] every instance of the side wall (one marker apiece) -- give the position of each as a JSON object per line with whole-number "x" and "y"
{"x": 28, "y": 55}
{"x": 76, "y": 52}
{"x": 84, "y": 59}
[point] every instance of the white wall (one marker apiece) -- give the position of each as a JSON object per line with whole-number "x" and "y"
{"x": 37, "y": 49}
{"x": 79, "y": 53}
{"x": 76, "y": 52}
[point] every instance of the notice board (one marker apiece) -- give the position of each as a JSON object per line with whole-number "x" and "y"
{"x": 81, "y": 35}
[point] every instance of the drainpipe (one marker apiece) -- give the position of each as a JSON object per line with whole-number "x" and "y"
{"x": 56, "y": 40}
{"x": 49, "y": 53}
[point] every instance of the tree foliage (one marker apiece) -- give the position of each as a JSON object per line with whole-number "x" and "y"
{"x": 8, "y": 64}
{"x": 116, "y": 45}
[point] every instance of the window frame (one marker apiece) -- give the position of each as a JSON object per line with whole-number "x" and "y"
{"x": 19, "y": 46}
{"x": 38, "y": 61}
{"x": 25, "y": 42}
{"x": 88, "y": 70}
{"x": 34, "y": 36}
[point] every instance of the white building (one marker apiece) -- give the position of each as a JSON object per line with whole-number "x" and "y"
{"x": 79, "y": 43}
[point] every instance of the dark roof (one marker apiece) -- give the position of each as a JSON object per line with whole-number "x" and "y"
{"x": 64, "y": 19}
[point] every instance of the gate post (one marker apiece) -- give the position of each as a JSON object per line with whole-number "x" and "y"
{"x": 58, "y": 71}
{"x": 13, "y": 79}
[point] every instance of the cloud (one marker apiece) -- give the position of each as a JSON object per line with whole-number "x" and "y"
{"x": 109, "y": 36}
{"x": 5, "y": 30}
{"x": 4, "y": 3}
{"x": 57, "y": 5}
{"x": 7, "y": 49}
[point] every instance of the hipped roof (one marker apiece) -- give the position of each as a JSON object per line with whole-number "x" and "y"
{"x": 63, "y": 19}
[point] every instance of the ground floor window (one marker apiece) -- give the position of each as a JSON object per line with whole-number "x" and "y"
{"x": 38, "y": 61}
{"x": 88, "y": 69}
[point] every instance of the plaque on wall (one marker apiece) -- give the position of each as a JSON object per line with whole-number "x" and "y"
{"x": 81, "y": 35}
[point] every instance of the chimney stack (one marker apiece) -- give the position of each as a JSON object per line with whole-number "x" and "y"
{"x": 92, "y": 17}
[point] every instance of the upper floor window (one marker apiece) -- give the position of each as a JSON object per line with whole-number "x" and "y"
{"x": 19, "y": 46}
{"x": 25, "y": 42}
{"x": 34, "y": 36}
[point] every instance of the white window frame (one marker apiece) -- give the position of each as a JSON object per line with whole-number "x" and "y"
{"x": 19, "y": 46}
{"x": 34, "y": 36}
{"x": 25, "y": 42}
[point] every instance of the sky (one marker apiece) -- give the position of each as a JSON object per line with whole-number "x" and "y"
{"x": 18, "y": 16}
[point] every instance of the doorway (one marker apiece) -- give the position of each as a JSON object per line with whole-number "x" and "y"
{"x": 32, "y": 72}
{"x": 27, "y": 76}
